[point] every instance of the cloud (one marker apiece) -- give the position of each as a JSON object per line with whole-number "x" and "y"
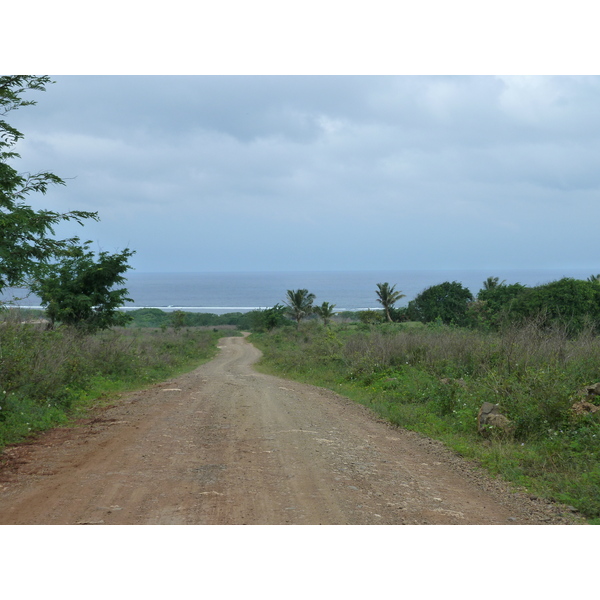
{"x": 325, "y": 172}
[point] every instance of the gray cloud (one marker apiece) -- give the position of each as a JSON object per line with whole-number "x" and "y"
{"x": 252, "y": 173}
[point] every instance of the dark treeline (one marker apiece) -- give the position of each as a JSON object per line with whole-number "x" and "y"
{"x": 570, "y": 303}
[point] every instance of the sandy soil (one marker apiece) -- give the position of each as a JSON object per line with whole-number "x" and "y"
{"x": 227, "y": 445}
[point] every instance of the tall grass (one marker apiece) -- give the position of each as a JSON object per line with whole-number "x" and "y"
{"x": 434, "y": 379}
{"x": 46, "y": 377}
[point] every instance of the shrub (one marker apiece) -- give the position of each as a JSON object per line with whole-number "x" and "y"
{"x": 571, "y": 303}
{"x": 447, "y": 302}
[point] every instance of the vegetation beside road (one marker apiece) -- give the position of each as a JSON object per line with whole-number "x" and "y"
{"x": 433, "y": 378}
{"x": 48, "y": 377}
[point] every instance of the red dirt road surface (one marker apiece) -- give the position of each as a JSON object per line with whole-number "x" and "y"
{"x": 227, "y": 445}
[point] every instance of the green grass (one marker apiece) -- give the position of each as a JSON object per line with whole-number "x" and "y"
{"x": 434, "y": 379}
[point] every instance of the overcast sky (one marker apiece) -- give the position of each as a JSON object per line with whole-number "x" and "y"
{"x": 254, "y": 173}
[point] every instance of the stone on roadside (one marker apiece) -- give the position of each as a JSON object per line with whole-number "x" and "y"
{"x": 490, "y": 421}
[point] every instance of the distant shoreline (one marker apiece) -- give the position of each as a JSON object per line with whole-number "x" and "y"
{"x": 222, "y": 293}
{"x": 200, "y": 309}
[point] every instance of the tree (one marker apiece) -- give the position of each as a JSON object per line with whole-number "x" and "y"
{"x": 299, "y": 303}
{"x": 399, "y": 315}
{"x": 26, "y": 235}
{"x": 178, "y": 318}
{"x": 325, "y": 311}
{"x": 370, "y": 317}
{"x": 594, "y": 278}
{"x": 269, "y": 318}
{"x": 79, "y": 289}
{"x": 496, "y": 302}
{"x": 387, "y": 297}
{"x": 570, "y": 302}
{"x": 492, "y": 282}
{"x": 448, "y": 301}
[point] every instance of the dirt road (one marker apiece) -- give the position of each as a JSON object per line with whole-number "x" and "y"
{"x": 227, "y": 445}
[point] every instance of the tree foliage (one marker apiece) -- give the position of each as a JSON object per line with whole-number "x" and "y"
{"x": 26, "y": 235}
{"x": 177, "y": 319}
{"x": 496, "y": 302}
{"x": 573, "y": 303}
{"x": 300, "y": 304}
{"x": 491, "y": 283}
{"x": 387, "y": 297}
{"x": 269, "y": 318}
{"x": 370, "y": 317}
{"x": 78, "y": 290}
{"x": 447, "y": 302}
{"x": 325, "y": 311}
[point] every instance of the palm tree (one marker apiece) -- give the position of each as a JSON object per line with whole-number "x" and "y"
{"x": 492, "y": 282}
{"x": 299, "y": 303}
{"x": 325, "y": 311}
{"x": 387, "y": 297}
{"x": 594, "y": 278}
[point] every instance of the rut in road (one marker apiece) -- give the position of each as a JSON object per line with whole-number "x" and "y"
{"x": 227, "y": 445}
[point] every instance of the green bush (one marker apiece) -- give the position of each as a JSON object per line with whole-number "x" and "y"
{"x": 572, "y": 303}
{"x": 447, "y": 302}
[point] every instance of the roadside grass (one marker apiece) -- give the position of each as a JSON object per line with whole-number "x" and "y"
{"x": 50, "y": 378}
{"x": 434, "y": 379}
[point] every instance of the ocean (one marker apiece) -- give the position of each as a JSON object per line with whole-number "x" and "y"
{"x": 221, "y": 293}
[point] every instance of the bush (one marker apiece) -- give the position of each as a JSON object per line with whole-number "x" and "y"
{"x": 572, "y": 303}
{"x": 447, "y": 302}
{"x": 494, "y": 305}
